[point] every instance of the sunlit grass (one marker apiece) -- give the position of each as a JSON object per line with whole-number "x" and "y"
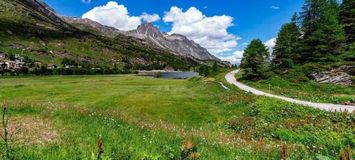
{"x": 145, "y": 118}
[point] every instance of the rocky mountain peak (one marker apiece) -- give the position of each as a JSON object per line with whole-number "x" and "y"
{"x": 148, "y": 29}
{"x": 176, "y": 43}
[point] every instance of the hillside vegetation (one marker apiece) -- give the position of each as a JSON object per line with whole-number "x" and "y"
{"x": 26, "y": 31}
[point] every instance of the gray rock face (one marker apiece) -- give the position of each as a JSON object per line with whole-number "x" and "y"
{"x": 175, "y": 43}
{"x": 48, "y": 12}
{"x": 102, "y": 29}
{"x": 335, "y": 76}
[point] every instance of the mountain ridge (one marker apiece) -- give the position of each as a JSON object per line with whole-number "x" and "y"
{"x": 176, "y": 44}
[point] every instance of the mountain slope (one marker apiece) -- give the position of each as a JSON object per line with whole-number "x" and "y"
{"x": 92, "y": 26}
{"x": 32, "y": 29}
{"x": 175, "y": 44}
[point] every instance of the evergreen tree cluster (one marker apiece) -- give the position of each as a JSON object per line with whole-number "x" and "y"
{"x": 254, "y": 61}
{"x": 322, "y": 33}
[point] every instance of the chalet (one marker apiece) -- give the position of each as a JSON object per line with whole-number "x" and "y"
{"x": 19, "y": 58}
{"x": 52, "y": 66}
{"x": 19, "y": 65}
{"x": 69, "y": 66}
{"x": 3, "y": 65}
{"x": 10, "y": 65}
{"x": 38, "y": 64}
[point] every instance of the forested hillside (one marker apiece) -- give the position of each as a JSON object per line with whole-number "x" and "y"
{"x": 318, "y": 44}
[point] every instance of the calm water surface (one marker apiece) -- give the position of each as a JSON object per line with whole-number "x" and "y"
{"x": 169, "y": 75}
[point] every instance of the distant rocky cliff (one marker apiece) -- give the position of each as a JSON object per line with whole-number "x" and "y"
{"x": 176, "y": 43}
{"x": 102, "y": 29}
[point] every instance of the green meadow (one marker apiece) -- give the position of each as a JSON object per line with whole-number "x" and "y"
{"x": 62, "y": 117}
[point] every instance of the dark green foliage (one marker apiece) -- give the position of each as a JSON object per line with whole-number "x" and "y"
{"x": 286, "y": 50}
{"x": 349, "y": 55}
{"x": 254, "y": 61}
{"x": 67, "y": 61}
{"x": 7, "y": 140}
{"x": 317, "y": 37}
{"x": 215, "y": 67}
{"x": 204, "y": 70}
{"x": 323, "y": 35}
{"x": 208, "y": 71}
{"x": 347, "y": 19}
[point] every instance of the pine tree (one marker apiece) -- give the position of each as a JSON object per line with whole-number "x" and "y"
{"x": 323, "y": 35}
{"x": 215, "y": 67}
{"x": 347, "y": 19}
{"x": 311, "y": 15}
{"x": 286, "y": 50}
{"x": 254, "y": 62}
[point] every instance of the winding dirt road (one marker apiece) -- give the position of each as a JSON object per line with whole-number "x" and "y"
{"x": 230, "y": 77}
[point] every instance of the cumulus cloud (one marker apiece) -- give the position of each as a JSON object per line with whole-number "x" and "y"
{"x": 275, "y": 7}
{"x": 235, "y": 58}
{"x": 150, "y": 17}
{"x": 270, "y": 44}
{"x": 117, "y": 16}
{"x": 210, "y": 32}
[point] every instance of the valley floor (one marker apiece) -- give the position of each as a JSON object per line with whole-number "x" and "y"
{"x": 61, "y": 117}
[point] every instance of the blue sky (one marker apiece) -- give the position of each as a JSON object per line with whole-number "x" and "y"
{"x": 251, "y": 18}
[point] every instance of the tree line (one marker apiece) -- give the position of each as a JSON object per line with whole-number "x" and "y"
{"x": 322, "y": 33}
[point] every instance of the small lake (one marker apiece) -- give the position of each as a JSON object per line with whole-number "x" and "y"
{"x": 169, "y": 75}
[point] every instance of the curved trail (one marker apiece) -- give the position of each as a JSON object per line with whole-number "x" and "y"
{"x": 230, "y": 77}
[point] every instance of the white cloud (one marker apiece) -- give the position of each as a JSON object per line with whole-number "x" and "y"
{"x": 275, "y": 7}
{"x": 210, "y": 32}
{"x": 117, "y": 16}
{"x": 150, "y": 17}
{"x": 270, "y": 44}
{"x": 235, "y": 58}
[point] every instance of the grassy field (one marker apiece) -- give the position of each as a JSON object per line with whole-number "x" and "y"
{"x": 62, "y": 117}
{"x": 307, "y": 90}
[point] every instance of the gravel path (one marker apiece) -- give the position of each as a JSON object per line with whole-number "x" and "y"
{"x": 230, "y": 77}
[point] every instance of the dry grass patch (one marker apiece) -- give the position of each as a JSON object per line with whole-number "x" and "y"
{"x": 30, "y": 130}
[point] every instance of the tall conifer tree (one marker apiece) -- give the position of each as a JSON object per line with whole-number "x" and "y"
{"x": 286, "y": 50}
{"x": 323, "y": 35}
{"x": 347, "y": 19}
{"x": 254, "y": 61}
